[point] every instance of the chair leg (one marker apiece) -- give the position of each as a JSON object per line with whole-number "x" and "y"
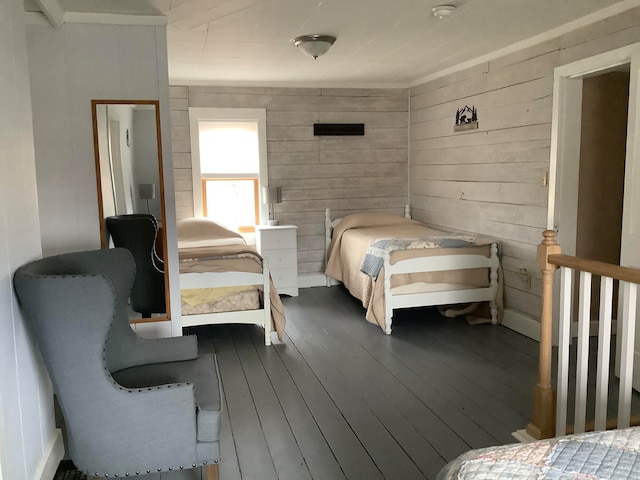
{"x": 213, "y": 472}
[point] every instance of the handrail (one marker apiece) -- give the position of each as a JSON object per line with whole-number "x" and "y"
{"x": 549, "y": 259}
{"x": 616, "y": 272}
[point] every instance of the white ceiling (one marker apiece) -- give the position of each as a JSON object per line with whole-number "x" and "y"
{"x": 379, "y": 42}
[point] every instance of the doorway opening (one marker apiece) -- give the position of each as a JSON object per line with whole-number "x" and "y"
{"x": 603, "y": 139}
{"x": 595, "y": 161}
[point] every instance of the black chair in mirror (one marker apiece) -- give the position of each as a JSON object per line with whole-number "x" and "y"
{"x": 138, "y": 233}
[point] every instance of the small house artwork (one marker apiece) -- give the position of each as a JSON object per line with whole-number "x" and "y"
{"x": 466, "y": 119}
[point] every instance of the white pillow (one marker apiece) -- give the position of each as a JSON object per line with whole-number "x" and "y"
{"x": 202, "y": 232}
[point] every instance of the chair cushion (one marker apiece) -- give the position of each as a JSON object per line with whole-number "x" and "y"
{"x": 201, "y": 371}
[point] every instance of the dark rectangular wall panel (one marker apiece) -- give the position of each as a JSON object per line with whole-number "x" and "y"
{"x": 338, "y": 129}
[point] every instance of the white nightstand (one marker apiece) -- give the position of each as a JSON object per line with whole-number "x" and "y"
{"x": 279, "y": 245}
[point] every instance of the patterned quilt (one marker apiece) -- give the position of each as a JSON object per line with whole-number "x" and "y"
{"x": 374, "y": 257}
{"x": 611, "y": 455}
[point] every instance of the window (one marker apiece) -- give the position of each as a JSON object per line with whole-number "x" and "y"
{"x": 228, "y": 149}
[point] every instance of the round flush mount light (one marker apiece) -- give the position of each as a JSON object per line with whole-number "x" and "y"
{"x": 314, "y": 45}
{"x": 443, "y": 11}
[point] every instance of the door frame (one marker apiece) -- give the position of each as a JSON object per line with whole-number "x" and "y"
{"x": 564, "y": 159}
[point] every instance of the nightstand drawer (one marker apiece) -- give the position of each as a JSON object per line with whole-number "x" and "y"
{"x": 272, "y": 239}
{"x": 280, "y": 258}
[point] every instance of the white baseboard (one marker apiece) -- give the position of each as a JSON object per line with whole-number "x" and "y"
{"x": 522, "y": 436}
{"x": 51, "y": 457}
{"x": 313, "y": 280}
{"x": 530, "y": 327}
{"x": 521, "y": 323}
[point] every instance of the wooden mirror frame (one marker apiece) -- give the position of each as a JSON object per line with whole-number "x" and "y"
{"x": 99, "y": 184}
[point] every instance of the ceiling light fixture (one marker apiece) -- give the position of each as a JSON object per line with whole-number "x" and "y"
{"x": 443, "y": 11}
{"x": 314, "y": 45}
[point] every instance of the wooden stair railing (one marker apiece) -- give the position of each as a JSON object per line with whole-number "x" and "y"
{"x": 549, "y": 406}
{"x": 544, "y": 396}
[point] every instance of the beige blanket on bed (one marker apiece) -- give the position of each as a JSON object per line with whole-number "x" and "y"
{"x": 351, "y": 239}
{"x": 232, "y": 258}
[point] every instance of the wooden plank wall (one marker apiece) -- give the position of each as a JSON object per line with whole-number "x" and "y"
{"x": 345, "y": 174}
{"x": 488, "y": 180}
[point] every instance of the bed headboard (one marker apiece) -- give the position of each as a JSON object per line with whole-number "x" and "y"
{"x": 330, "y": 223}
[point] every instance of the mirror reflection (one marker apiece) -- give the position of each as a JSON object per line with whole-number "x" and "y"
{"x": 131, "y": 197}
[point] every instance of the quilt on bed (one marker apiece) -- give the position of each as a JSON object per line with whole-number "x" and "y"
{"x": 378, "y": 250}
{"x": 611, "y": 455}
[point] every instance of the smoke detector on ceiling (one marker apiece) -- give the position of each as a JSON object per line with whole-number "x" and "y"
{"x": 443, "y": 11}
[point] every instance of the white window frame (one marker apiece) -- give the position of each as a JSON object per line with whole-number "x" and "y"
{"x": 199, "y": 114}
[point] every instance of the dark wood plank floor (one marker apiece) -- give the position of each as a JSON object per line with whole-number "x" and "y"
{"x": 339, "y": 399}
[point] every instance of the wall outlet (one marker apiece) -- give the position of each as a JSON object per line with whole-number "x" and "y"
{"x": 525, "y": 277}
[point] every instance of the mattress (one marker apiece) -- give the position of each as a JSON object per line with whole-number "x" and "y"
{"x": 226, "y": 300}
{"x": 220, "y": 299}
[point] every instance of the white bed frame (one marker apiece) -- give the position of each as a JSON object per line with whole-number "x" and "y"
{"x": 260, "y": 316}
{"x": 423, "y": 294}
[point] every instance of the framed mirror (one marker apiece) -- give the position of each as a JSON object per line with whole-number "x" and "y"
{"x": 129, "y": 179}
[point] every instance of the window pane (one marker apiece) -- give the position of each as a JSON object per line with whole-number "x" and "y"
{"x": 231, "y": 203}
{"x": 228, "y": 147}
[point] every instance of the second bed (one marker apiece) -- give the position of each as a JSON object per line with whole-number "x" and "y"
{"x": 390, "y": 262}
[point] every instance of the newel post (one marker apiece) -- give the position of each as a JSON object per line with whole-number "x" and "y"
{"x": 544, "y": 396}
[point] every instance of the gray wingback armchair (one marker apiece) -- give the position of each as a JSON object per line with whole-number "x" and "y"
{"x": 131, "y": 405}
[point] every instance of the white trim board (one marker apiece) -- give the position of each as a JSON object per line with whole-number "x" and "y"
{"x": 530, "y": 327}
{"x": 563, "y": 98}
{"x": 313, "y": 280}
{"x": 521, "y": 323}
{"x": 198, "y": 114}
{"x": 51, "y": 457}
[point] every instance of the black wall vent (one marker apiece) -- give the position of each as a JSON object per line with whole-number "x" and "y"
{"x": 338, "y": 129}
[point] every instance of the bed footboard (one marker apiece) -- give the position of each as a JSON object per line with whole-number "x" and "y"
{"x": 400, "y": 298}
{"x": 260, "y": 316}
